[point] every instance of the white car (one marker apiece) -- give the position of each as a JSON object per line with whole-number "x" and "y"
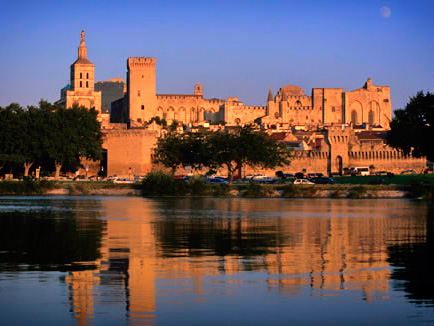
{"x": 123, "y": 180}
{"x": 259, "y": 177}
{"x": 303, "y": 182}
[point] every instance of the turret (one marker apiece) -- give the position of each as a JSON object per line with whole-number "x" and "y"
{"x": 270, "y": 96}
{"x": 198, "y": 89}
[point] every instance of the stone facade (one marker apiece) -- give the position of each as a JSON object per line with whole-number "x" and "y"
{"x": 141, "y": 102}
{"x": 129, "y": 151}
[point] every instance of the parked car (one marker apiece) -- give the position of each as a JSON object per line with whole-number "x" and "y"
{"x": 259, "y": 177}
{"x": 112, "y": 177}
{"x": 360, "y": 170}
{"x": 216, "y": 180}
{"x": 315, "y": 175}
{"x": 303, "y": 182}
{"x": 381, "y": 173}
{"x": 265, "y": 180}
{"x": 123, "y": 180}
{"x": 407, "y": 172}
{"x": 323, "y": 181}
{"x": 80, "y": 178}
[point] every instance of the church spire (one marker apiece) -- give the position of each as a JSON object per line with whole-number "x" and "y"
{"x": 270, "y": 96}
{"x": 82, "y": 50}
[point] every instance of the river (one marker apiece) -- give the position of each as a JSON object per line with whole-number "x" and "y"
{"x": 132, "y": 261}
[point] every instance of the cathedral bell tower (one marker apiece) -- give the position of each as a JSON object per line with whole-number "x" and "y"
{"x": 82, "y": 90}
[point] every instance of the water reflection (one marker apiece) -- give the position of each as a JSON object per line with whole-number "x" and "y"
{"x": 414, "y": 266}
{"x": 167, "y": 261}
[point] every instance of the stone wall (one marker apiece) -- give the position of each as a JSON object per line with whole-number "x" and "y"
{"x": 129, "y": 151}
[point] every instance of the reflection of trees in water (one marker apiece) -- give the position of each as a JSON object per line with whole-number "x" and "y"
{"x": 197, "y": 232}
{"x": 414, "y": 265}
{"x": 49, "y": 239}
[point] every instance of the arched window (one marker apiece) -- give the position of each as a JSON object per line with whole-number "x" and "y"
{"x": 87, "y": 84}
{"x": 237, "y": 121}
{"x": 371, "y": 118}
{"x": 143, "y": 107}
{"x": 81, "y": 84}
{"x": 87, "y": 76}
{"x": 354, "y": 117}
{"x": 298, "y": 103}
{"x": 81, "y": 75}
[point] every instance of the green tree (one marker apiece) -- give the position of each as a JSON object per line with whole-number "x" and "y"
{"x": 71, "y": 134}
{"x": 412, "y": 128}
{"x": 19, "y": 136}
{"x": 176, "y": 150}
{"x": 246, "y": 146}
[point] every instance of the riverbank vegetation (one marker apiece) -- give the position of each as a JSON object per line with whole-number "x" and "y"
{"x": 163, "y": 184}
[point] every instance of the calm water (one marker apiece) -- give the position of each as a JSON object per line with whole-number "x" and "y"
{"x": 118, "y": 260}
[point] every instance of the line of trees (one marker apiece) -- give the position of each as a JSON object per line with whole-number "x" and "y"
{"x": 412, "y": 128}
{"x": 47, "y": 135}
{"x": 214, "y": 150}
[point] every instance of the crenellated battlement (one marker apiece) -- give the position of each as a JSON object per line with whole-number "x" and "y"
{"x": 141, "y": 61}
{"x": 255, "y": 108}
{"x": 298, "y": 97}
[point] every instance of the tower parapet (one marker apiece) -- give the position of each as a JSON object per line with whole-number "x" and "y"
{"x": 141, "y": 61}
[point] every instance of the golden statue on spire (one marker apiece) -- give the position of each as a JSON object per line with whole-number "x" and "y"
{"x": 82, "y": 35}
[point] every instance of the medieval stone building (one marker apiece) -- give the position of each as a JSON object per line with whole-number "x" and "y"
{"x": 81, "y": 90}
{"x": 328, "y": 131}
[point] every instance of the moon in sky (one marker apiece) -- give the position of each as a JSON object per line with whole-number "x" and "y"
{"x": 385, "y": 12}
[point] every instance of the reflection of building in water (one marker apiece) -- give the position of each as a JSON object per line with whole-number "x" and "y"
{"x": 329, "y": 246}
{"x": 81, "y": 286}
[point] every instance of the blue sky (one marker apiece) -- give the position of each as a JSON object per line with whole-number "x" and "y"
{"x": 234, "y": 48}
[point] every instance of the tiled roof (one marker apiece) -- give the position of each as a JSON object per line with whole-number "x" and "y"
{"x": 82, "y": 61}
{"x": 278, "y": 135}
{"x": 371, "y": 135}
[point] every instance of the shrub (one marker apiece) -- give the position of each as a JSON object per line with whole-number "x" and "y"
{"x": 310, "y": 192}
{"x": 338, "y": 193}
{"x": 198, "y": 186}
{"x": 160, "y": 183}
{"x": 291, "y": 191}
{"x": 27, "y": 186}
{"x": 358, "y": 192}
{"x": 421, "y": 191}
{"x": 254, "y": 190}
{"x": 221, "y": 190}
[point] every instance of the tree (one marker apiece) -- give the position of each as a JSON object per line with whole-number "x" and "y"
{"x": 221, "y": 148}
{"x": 246, "y": 147}
{"x": 71, "y": 134}
{"x": 412, "y": 129}
{"x": 177, "y": 150}
{"x": 18, "y": 136}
